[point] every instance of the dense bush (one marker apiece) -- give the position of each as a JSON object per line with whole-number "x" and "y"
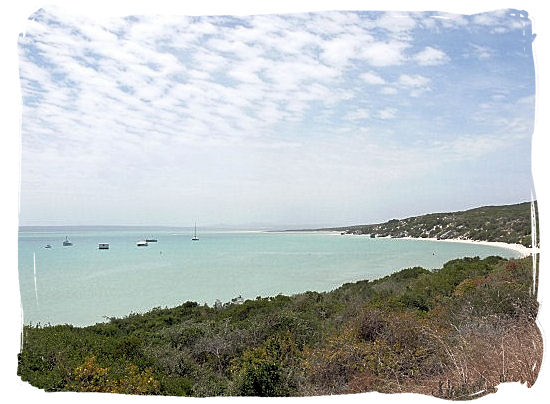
{"x": 508, "y": 224}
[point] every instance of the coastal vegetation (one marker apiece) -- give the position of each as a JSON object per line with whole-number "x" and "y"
{"x": 456, "y": 333}
{"x": 507, "y": 223}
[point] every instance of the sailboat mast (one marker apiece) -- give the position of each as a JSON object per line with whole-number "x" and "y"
{"x": 195, "y": 238}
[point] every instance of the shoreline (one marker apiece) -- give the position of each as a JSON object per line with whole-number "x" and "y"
{"x": 519, "y": 248}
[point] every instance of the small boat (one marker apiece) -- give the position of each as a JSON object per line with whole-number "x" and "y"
{"x": 103, "y": 246}
{"x": 151, "y": 240}
{"x": 142, "y": 243}
{"x": 47, "y": 246}
{"x": 67, "y": 243}
{"x": 195, "y": 238}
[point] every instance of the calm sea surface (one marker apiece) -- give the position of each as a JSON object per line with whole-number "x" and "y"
{"x": 82, "y": 285}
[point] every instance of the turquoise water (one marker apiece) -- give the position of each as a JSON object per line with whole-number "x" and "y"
{"x": 82, "y": 285}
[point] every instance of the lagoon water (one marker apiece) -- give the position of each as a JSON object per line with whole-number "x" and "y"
{"x": 83, "y": 285}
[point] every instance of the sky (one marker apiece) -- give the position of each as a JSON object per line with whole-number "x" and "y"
{"x": 313, "y": 119}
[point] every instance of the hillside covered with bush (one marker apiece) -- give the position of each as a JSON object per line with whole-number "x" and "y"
{"x": 456, "y": 332}
{"x": 507, "y": 223}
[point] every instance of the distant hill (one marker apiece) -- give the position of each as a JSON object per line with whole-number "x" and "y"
{"x": 507, "y": 223}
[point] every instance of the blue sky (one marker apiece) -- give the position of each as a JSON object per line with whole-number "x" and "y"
{"x": 304, "y": 119}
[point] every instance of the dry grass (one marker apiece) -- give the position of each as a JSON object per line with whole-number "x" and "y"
{"x": 477, "y": 357}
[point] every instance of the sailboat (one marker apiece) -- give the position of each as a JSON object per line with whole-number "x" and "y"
{"x": 67, "y": 243}
{"x": 195, "y": 238}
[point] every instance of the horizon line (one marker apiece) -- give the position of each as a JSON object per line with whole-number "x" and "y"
{"x": 264, "y": 226}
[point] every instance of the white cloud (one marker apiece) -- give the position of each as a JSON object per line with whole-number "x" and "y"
{"x": 396, "y": 22}
{"x": 372, "y": 78}
{"x": 237, "y": 49}
{"x": 291, "y": 74}
{"x": 358, "y": 115}
{"x": 387, "y": 113}
{"x": 413, "y": 81}
{"x": 431, "y": 57}
{"x": 501, "y": 21}
{"x": 488, "y": 19}
{"x": 381, "y": 54}
{"x": 512, "y": 118}
{"x": 450, "y": 21}
{"x": 340, "y": 50}
{"x": 389, "y": 90}
{"x": 105, "y": 99}
{"x": 481, "y": 52}
{"x": 415, "y": 84}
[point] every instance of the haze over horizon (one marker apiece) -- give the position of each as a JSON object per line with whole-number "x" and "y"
{"x": 235, "y": 226}
{"x": 328, "y": 119}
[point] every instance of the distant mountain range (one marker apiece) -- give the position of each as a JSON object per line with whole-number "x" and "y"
{"x": 506, "y": 223}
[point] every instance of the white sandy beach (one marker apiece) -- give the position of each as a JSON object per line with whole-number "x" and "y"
{"x": 521, "y": 249}
{"x": 320, "y": 232}
{"x": 524, "y": 251}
